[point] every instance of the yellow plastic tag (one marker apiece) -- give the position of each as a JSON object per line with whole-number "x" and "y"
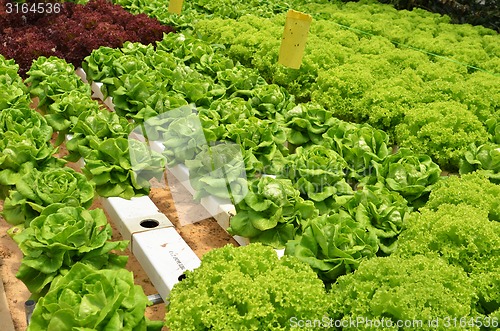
{"x": 294, "y": 39}
{"x": 175, "y": 6}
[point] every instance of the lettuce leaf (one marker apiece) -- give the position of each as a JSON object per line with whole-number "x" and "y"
{"x": 58, "y": 238}
{"x": 333, "y": 245}
{"x": 38, "y": 189}
{"x": 411, "y": 175}
{"x": 272, "y": 212}
{"x": 90, "y": 299}
{"x": 120, "y": 167}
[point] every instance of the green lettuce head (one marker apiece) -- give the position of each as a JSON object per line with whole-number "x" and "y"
{"x": 272, "y": 212}
{"x": 411, "y": 175}
{"x": 121, "y": 167}
{"x": 485, "y": 158}
{"x": 21, "y": 118}
{"x": 39, "y": 189}
{"x": 379, "y": 211}
{"x": 318, "y": 173}
{"x": 60, "y": 237}
{"x": 333, "y": 245}
{"x": 90, "y": 299}
{"x": 21, "y": 152}
{"x": 246, "y": 288}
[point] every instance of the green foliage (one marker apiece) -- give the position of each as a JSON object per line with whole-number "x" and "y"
{"x": 181, "y": 133}
{"x": 461, "y": 234}
{"x": 20, "y": 118}
{"x": 411, "y": 175}
{"x": 333, "y": 245}
{"x": 318, "y": 173}
{"x": 264, "y": 139}
{"x": 38, "y": 189}
{"x": 90, "y": 299}
{"x": 307, "y": 122}
{"x": 25, "y": 144}
{"x": 66, "y": 108}
{"x": 99, "y": 64}
{"x": 218, "y": 171}
{"x": 359, "y": 145}
{"x": 60, "y": 237}
{"x": 379, "y": 211}
{"x": 9, "y": 72}
{"x": 485, "y": 158}
{"x": 391, "y": 289}
{"x": 443, "y": 130}
{"x": 473, "y": 189}
{"x": 94, "y": 126}
{"x": 246, "y": 288}
{"x": 272, "y": 212}
{"x": 50, "y": 77}
{"x": 122, "y": 168}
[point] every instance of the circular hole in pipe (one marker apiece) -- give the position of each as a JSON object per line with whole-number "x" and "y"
{"x": 149, "y": 223}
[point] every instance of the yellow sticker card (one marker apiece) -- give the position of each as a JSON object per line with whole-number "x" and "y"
{"x": 175, "y": 6}
{"x": 294, "y": 40}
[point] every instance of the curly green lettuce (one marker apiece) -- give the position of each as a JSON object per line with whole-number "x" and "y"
{"x": 461, "y": 234}
{"x": 385, "y": 290}
{"x": 443, "y": 130}
{"x": 87, "y": 298}
{"x": 58, "y": 238}
{"x": 38, "y": 189}
{"x": 473, "y": 189}
{"x": 246, "y": 288}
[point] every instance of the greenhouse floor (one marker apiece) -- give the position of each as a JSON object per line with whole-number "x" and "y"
{"x": 5, "y": 317}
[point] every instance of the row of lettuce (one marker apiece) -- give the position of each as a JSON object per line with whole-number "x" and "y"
{"x": 332, "y": 204}
{"x": 340, "y": 197}
{"x": 69, "y": 261}
{"x": 431, "y": 85}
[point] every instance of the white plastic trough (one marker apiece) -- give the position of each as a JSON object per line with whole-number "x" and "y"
{"x": 154, "y": 241}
